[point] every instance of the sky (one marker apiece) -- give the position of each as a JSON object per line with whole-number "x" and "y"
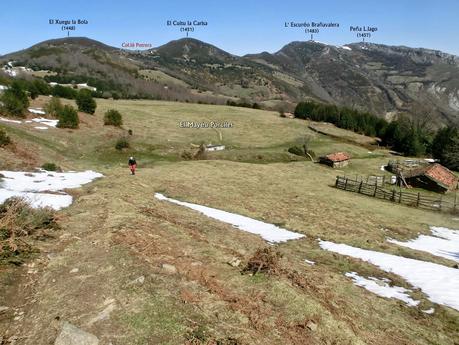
{"x": 237, "y": 26}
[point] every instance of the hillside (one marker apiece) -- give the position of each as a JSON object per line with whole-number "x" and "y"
{"x": 382, "y": 79}
{"x": 132, "y": 269}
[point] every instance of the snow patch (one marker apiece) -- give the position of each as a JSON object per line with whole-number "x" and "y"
{"x": 268, "y": 232}
{"x": 444, "y": 243}
{"x": 346, "y": 47}
{"x": 382, "y": 288}
{"x": 438, "y": 282}
{"x": 309, "y": 262}
{"x": 8, "y": 120}
{"x": 41, "y": 127}
{"x": 47, "y": 122}
{"x": 37, "y": 111}
{"x": 36, "y": 187}
{"x": 429, "y": 311}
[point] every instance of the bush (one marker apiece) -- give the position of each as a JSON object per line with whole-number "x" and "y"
{"x": 18, "y": 220}
{"x": 50, "y": 167}
{"x": 54, "y": 106}
{"x": 64, "y": 92}
{"x": 113, "y": 117}
{"x": 85, "y": 102}
{"x": 4, "y": 138}
{"x": 265, "y": 260}
{"x": 122, "y": 143}
{"x": 296, "y": 150}
{"x": 187, "y": 155}
{"x": 68, "y": 118}
{"x": 14, "y": 100}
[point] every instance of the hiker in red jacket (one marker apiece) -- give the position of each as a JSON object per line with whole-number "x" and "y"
{"x": 132, "y": 165}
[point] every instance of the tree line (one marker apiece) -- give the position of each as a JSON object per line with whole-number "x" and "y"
{"x": 409, "y": 136}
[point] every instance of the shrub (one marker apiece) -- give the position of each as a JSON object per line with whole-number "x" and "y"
{"x": 296, "y": 150}
{"x": 113, "y": 117}
{"x": 4, "y": 138}
{"x": 18, "y": 220}
{"x": 130, "y": 132}
{"x": 54, "y": 106}
{"x": 265, "y": 260}
{"x": 50, "y": 167}
{"x": 187, "y": 155}
{"x": 64, "y": 92}
{"x": 68, "y": 118}
{"x": 85, "y": 102}
{"x": 14, "y": 100}
{"x": 122, "y": 143}
{"x": 302, "y": 151}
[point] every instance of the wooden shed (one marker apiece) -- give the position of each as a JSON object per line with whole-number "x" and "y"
{"x": 336, "y": 160}
{"x": 434, "y": 177}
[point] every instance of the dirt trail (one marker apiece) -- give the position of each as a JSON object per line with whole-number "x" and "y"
{"x": 77, "y": 276}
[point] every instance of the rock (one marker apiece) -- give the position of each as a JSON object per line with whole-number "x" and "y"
{"x": 311, "y": 325}
{"x": 169, "y": 268}
{"x": 75, "y": 270}
{"x": 71, "y": 335}
{"x": 2, "y": 309}
{"x": 235, "y": 262}
{"x": 456, "y": 266}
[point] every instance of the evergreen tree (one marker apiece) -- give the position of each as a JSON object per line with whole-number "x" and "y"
{"x": 54, "y": 106}
{"x": 85, "y": 102}
{"x": 14, "y": 100}
{"x": 113, "y": 117}
{"x": 68, "y": 117}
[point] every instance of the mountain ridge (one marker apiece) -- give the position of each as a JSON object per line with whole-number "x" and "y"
{"x": 386, "y": 80}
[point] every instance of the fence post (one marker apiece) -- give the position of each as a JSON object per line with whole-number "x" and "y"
{"x": 345, "y": 184}
{"x": 360, "y": 186}
{"x": 400, "y": 198}
{"x": 419, "y": 198}
{"x": 393, "y": 195}
{"x": 376, "y": 188}
{"x": 441, "y": 200}
{"x": 455, "y": 200}
{"x": 336, "y": 182}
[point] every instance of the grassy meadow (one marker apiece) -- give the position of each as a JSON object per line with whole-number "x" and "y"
{"x": 116, "y": 232}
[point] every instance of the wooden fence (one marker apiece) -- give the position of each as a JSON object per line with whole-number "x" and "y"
{"x": 396, "y": 196}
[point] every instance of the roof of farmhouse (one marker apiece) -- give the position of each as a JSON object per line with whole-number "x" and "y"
{"x": 338, "y": 156}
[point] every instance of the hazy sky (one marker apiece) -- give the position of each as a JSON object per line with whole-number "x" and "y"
{"x": 237, "y": 26}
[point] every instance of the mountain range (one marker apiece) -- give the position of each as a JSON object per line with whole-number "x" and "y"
{"x": 384, "y": 80}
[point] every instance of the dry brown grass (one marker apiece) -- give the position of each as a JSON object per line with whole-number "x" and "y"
{"x": 265, "y": 260}
{"x": 18, "y": 221}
